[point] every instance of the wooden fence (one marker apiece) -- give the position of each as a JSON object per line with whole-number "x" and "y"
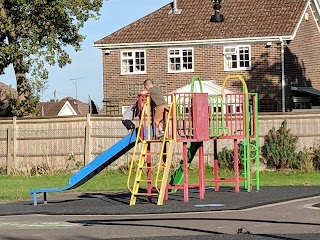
{"x": 57, "y": 142}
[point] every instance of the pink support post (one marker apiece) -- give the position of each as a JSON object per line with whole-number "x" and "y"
{"x": 215, "y": 165}
{"x": 166, "y": 194}
{"x": 185, "y": 173}
{"x": 236, "y": 166}
{"x": 201, "y": 173}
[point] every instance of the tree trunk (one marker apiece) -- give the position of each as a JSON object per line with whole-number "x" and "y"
{"x": 22, "y": 83}
{"x": 19, "y": 66}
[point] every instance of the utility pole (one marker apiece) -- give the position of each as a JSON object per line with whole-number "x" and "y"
{"x": 76, "y": 85}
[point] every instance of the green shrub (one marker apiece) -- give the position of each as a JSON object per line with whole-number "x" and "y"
{"x": 316, "y": 158}
{"x": 305, "y": 161}
{"x": 280, "y": 147}
{"x": 225, "y": 158}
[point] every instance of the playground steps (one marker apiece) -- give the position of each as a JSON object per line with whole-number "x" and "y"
{"x": 159, "y": 179}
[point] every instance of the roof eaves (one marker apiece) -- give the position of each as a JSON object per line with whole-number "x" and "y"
{"x": 301, "y": 18}
{"x": 316, "y": 3}
{"x": 193, "y": 42}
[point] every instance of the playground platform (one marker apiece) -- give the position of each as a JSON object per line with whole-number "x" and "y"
{"x": 273, "y": 213}
{"x": 117, "y": 203}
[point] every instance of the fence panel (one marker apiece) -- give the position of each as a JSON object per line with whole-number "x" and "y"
{"x": 57, "y": 143}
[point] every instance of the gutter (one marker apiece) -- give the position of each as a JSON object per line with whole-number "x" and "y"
{"x": 283, "y": 83}
{"x": 192, "y": 42}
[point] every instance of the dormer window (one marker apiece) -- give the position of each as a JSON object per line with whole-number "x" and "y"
{"x": 237, "y": 58}
{"x": 133, "y": 62}
{"x": 180, "y": 60}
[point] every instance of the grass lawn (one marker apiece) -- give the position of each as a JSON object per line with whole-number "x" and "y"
{"x": 17, "y": 187}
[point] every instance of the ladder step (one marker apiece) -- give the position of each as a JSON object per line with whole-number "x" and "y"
{"x": 154, "y": 154}
{"x": 145, "y": 194}
{"x": 159, "y": 140}
{"x": 143, "y": 180}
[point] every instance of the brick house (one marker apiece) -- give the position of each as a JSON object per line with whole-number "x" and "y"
{"x": 274, "y": 44}
{"x": 67, "y": 106}
{"x": 6, "y": 90}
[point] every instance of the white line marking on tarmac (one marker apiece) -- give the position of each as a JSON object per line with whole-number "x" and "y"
{"x": 38, "y": 225}
{"x": 222, "y": 211}
{"x": 310, "y": 206}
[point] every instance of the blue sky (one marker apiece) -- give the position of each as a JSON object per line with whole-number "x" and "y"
{"x": 86, "y": 65}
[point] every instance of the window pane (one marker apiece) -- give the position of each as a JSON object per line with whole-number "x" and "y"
{"x": 234, "y": 64}
{"x": 234, "y": 61}
{"x": 228, "y": 61}
{"x": 130, "y": 63}
{"x": 125, "y": 66}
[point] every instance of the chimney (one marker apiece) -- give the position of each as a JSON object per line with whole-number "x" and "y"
{"x": 217, "y": 17}
{"x": 175, "y": 9}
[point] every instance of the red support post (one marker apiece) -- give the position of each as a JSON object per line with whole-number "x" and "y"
{"x": 201, "y": 173}
{"x": 185, "y": 173}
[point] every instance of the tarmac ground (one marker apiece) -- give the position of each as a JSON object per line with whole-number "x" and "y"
{"x": 272, "y": 213}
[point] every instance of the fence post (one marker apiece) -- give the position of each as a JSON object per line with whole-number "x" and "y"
{"x": 87, "y": 145}
{"x": 9, "y": 150}
{"x": 14, "y": 141}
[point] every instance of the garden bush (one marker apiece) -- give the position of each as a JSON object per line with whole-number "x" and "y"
{"x": 280, "y": 147}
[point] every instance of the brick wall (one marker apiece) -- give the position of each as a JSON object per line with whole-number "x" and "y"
{"x": 264, "y": 77}
{"x": 302, "y": 56}
{"x": 302, "y": 61}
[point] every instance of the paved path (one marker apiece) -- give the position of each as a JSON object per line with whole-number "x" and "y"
{"x": 287, "y": 219}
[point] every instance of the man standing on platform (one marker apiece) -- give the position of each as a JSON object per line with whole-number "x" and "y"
{"x": 161, "y": 105}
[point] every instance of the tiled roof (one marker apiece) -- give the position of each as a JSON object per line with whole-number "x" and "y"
{"x": 53, "y": 108}
{"x": 4, "y": 88}
{"x": 243, "y": 18}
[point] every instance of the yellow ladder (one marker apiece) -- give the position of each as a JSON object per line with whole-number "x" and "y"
{"x": 140, "y": 168}
{"x": 163, "y": 168}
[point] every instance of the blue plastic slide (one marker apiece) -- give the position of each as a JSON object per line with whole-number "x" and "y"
{"x": 93, "y": 168}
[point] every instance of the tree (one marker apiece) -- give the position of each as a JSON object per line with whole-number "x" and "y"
{"x": 34, "y": 33}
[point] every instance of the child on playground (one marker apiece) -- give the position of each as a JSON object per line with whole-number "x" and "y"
{"x": 161, "y": 105}
{"x": 129, "y": 115}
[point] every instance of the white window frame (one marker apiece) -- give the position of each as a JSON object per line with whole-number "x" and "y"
{"x": 135, "y": 65}
{"x": 172, "y": 65}
{"x": 229, "y": 51}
